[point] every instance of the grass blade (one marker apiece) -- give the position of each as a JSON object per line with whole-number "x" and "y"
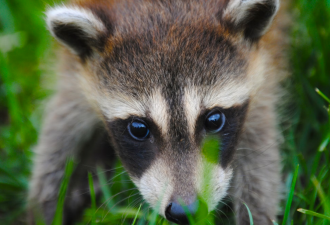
{"x": 136, "y": 215}
{"x": 322, "y": 95}
{"x": 92, "y": 192}
{"x": 321, "y": 194}
{"x": 64, "y": 186}
{"x": 324, "y": 143}
{"x": 187, "y": 212}
{"x": 311, "y": 213}
{"x": 105, "y": 189}
{"x": 288, "y": 204}
{"x": 250, "y": 214}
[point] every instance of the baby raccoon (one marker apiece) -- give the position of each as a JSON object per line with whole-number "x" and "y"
{"x": 148, "y": 82}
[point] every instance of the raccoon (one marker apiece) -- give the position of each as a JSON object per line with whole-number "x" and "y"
{"x": 147, "y": 82}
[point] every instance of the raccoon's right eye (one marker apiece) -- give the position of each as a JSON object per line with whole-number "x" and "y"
{"x": 215, "y": 121}
{"x": 138, "y": 130}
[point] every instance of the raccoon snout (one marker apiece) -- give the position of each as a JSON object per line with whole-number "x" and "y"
{"x": 177, "y": 213}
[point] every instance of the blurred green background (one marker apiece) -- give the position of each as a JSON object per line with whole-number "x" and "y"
{"x": 26, "y": 77}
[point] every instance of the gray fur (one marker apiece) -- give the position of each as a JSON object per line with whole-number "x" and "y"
{"x": 152, "y": 55}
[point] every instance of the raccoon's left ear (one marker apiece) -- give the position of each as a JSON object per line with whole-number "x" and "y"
{"x": 251, "y": 17}
{"x": 78, "y": 29}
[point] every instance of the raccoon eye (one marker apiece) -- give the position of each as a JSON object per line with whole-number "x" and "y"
{"x": 138, "y": 130}
{"x": 215, "y": 122}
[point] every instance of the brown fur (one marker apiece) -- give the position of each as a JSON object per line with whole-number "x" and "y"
{"x": 155, "y": 55}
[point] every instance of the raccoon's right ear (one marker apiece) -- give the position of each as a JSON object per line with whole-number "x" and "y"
{"x": 250, "y": 17}
{"x": 76, "y": 28}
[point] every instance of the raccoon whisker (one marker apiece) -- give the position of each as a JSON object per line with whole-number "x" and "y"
{"x": 240, "y": 184}
{"x": 231, "y": 209}
{"x": 251, "y": 191}
{"x": 208, "y": 221}
{"x": 140, "y": 201}
{"x": 135, "y": 202}
{"x": 148, "y": 212}
{"x": 120, "y": 202}
{"x": 219, "y": 212}
{"x": 161, "y": 220}
{"x": 121, "y": 181}
{"x": 258, "y": 193}
{"x": 229, "y": 197}
{"x": 222, "y": 219}
{"x": 118, "y": 181}
{"x": 262, "y": 166}
{"x": 236, "y": 198}
{"x": 107, "y": 200}
{"x": 242, "y": 154}
{"x": 103, "y": 170}
{"x": 241, "y": 178}
{"x": 118, "y": 175}
{"x": 253, "y": 151}
{"x": 131, "y": 205}
{"x": 111, "y": 170}
{"x": 110, "y": 181}
{"x": 86, "y": 190}
{"x": 269, "y": 165}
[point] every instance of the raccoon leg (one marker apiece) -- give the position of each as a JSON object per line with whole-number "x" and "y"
{"x": 257, "y": 173}
{"x": 96, "y": 153}
{"x": 68, "y": 127}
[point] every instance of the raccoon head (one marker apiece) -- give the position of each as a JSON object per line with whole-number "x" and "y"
{"x": 172, "y": 81}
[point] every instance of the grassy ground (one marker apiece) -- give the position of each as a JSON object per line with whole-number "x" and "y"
{"x": 25, "y": 71}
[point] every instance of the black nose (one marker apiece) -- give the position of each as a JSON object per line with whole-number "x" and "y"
{"x": 177, "y": 214}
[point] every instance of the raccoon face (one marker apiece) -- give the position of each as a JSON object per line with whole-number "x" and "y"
{"x": 172, "y": 82}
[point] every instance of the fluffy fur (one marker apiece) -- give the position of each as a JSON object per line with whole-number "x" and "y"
{"x": 170, "y": 64}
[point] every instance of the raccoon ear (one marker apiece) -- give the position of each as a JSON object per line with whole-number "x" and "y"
{"x": 76, "y": 28}
{"x": 251, "y": 17}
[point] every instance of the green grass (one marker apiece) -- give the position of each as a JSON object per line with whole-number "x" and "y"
{"x": 26, "y": 73}
{"x": 63, "y": 189}
{"x": 290, "y": 197}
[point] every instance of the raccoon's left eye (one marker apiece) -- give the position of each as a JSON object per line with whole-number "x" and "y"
{"x": 215, "y": 121}
{"x": 138, "y": 130}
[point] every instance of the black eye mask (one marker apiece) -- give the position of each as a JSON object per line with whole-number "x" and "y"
{"x": 225, "y": 124}
{"x": 137, "y": 142}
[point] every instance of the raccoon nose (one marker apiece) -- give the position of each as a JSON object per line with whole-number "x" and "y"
{"x": 177, "y": 214}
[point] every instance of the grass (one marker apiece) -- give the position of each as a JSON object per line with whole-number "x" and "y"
{"x": 25, "y": 71}
{"x": 250, "y": 214}
{"x": 64, "y": 186}
{"x": 290, "y": 197}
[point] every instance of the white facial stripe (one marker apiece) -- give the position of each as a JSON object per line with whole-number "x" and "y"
{"x": 224, "y": 96}
{"x": 156, "y": 185}
{"x": 192, "y": 104}
{"x": 158, "y": 110}
{"x": 121, "y": 107}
